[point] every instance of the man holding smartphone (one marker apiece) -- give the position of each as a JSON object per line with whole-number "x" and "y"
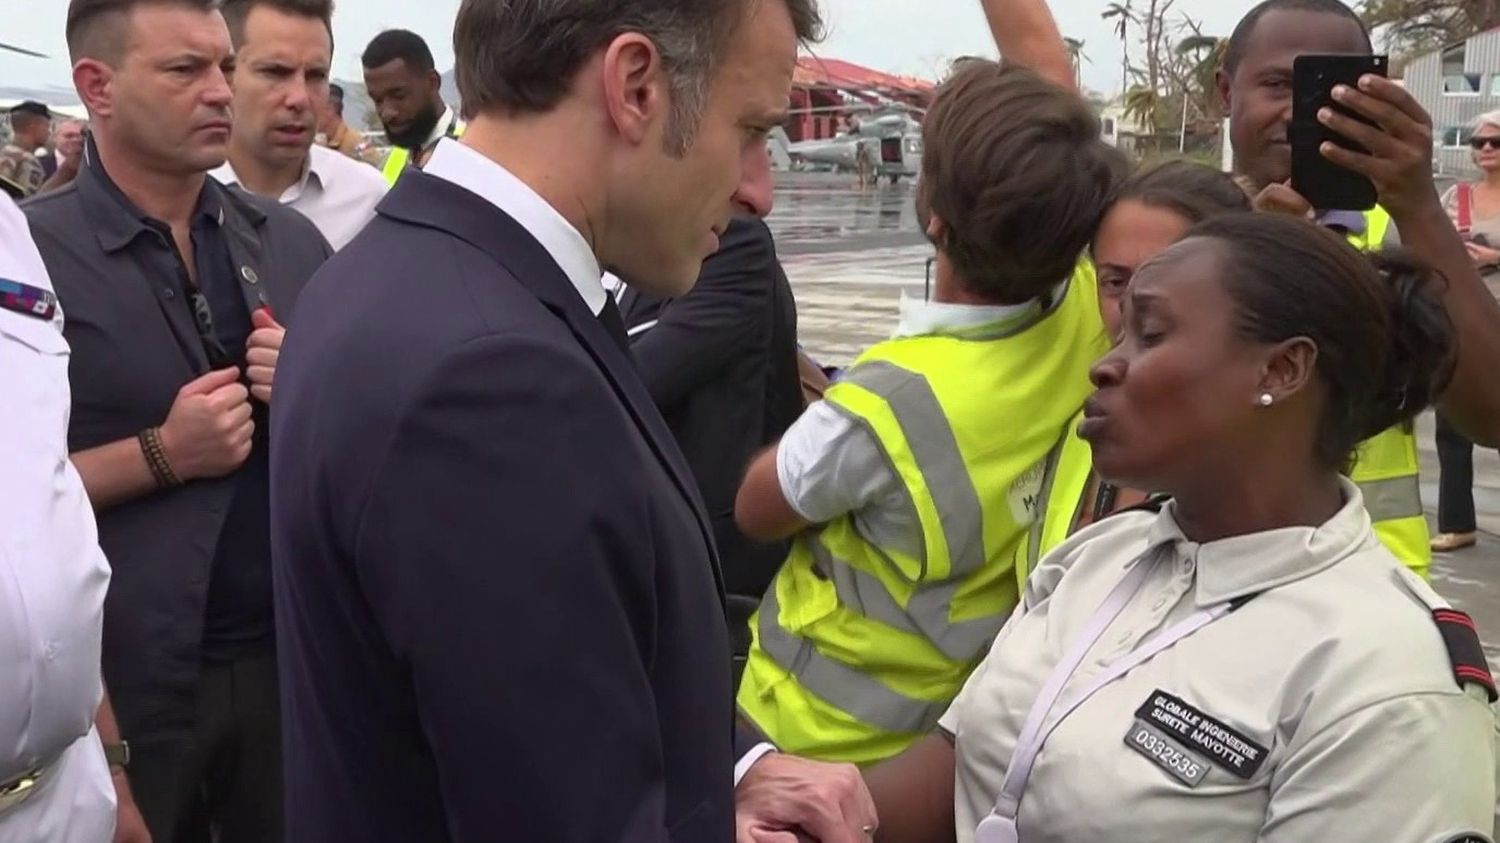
{"x": 1256, "y": 86}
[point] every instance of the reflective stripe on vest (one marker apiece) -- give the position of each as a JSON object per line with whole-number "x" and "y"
{"x": 1070, "y": 482}
{"x": 395, "y": 164}
{"x": 864, "y": 639}
{"x": 1386, "y": 466}
{"x": 935, "y": 453}
{"x": 849, "y": 689}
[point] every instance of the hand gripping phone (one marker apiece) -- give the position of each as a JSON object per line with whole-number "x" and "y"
{"x": 1321, "y": 182}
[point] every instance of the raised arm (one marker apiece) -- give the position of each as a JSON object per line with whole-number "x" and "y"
{"x": 1027, "y": 35}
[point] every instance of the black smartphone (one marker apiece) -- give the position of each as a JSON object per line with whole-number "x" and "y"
{"x": 1321, "y": 182}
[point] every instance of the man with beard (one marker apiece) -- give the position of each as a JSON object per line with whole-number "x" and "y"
{"x": 283, "y": 49}
{"x": 404, "y": 84}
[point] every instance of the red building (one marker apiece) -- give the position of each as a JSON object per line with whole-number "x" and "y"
{"x": 827, "y": 92}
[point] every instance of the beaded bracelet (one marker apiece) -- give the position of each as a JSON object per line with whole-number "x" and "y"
{"x": 156, "y": 458}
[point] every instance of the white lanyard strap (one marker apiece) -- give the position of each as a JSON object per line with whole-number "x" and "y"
{"x": 1033, "y": 736}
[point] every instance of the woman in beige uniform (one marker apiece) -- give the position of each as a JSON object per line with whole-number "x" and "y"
{"x": 1248, "y": 664}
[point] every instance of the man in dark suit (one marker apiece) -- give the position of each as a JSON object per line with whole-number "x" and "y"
{"x": 721, "y": 365}
{"x": 497, "y": 598}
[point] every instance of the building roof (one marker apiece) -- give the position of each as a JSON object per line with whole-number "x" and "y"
{"x": 815, "y": 71}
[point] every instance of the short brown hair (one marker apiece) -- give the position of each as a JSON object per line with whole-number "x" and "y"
{"x": 236, "y": 12}
{"x": 520, "y": 56}
{"x": 1015, "y": 168}
{"x": 95, "y": 27}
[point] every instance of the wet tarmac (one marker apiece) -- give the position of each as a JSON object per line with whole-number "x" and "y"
{"x": 851, "y": 253}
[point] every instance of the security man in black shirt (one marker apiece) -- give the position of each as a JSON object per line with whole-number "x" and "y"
{"x": 176, "y": 289}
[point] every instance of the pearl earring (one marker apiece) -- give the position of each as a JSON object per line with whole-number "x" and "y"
{"x": 1266, "y": 399}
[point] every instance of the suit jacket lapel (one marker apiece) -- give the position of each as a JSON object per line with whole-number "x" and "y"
{"x": 426, "y": 200}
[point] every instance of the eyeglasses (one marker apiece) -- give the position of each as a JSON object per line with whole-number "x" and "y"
{"x": 1485, "y": 143}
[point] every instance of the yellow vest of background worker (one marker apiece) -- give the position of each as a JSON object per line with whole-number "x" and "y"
{"x": 400, "y": 156}
{"x": 1385, "y": 469}
{"x": 860, "y": 646}
{"x": 1386, "y": 466}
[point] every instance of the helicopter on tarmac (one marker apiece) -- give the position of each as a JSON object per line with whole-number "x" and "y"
{"x": 889, "y": 137}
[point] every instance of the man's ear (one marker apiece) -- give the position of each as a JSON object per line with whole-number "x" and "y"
{"x": 936, "y": 228}
{"x": 636, "y": 93}
{"x": 94, "y": 81}
{"x": 1221, "y": 82}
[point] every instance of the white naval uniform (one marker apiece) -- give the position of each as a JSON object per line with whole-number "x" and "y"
{"x": 52, "y": 581}
{"x": 1324, "y": 708}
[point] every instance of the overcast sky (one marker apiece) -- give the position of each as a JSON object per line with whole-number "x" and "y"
{"x": 901, "y": 36}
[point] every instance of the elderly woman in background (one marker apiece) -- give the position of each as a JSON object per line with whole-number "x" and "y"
{"x": 1475, "y": 209}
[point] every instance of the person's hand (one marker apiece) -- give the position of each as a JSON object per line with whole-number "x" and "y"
{"x": 786, "y": 799}
{"x": 208, "y": 431}
{"x": 1483, "y": 256}
{"x": 1399, "y": 161}
{"x": 1280, "y": 198}
{"x": 130, "y": 826}
{"x": 261, "y": 353}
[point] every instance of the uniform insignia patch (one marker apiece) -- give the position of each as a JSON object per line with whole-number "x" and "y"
{"x": 27, "y": 300}
{"x": 1213, "y": 739}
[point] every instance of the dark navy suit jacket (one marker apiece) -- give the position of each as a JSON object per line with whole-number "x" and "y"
{"x": 498, "y": 604}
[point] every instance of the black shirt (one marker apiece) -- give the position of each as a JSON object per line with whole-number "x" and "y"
{"x": 238, "y": 619}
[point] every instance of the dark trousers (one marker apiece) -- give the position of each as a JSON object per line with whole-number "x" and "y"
{"x": 1455, "y": 479}
{"x": 222, "y": 784}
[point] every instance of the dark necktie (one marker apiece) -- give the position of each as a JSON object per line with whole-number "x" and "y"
{"x": 614, "y": 323}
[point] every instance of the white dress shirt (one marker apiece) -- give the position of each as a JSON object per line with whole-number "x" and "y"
{"x": 337, "y": 193}
{"x": 453, "y": 162}
{"x": 53, "y": 577}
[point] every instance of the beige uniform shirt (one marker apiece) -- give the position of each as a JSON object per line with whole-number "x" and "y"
{"x": 1325, "y": 708}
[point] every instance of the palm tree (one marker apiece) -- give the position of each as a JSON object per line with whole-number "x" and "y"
{"x": 1077, "y": 57}
{"x": 1206, "y": 52}
{"x": 1123, "y": 14}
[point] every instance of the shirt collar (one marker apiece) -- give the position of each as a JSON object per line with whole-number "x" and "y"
{"x": 920, "y": 317}
{"x": 445, "y": 125}
{"x": 1245, "y": 565}
{"x": 117, "y": 220}
{"x": 455, "y": 163}
{"x": 316, "y": 175}
{"x": 1352, "y": 222}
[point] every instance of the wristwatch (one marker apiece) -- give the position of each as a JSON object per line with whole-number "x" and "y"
{"x": 117, "y": 754}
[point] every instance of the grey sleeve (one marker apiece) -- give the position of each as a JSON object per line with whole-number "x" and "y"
{"x": 1417, "y": 768}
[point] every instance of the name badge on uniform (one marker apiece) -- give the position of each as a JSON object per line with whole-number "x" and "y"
{"x": 1166, "y": 753}
{"x": 1206, "y": 736}
{"x": 27, "y": 300}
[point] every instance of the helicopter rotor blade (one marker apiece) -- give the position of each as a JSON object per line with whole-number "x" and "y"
{"x": 22, "y": 50}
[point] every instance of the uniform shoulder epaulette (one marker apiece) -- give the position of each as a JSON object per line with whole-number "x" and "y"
{"x": 1460, "y": 635}
{"x": 1461, "y": 638}
{"x": 27, "y": 300}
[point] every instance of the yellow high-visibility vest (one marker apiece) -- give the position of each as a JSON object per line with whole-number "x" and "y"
{"x": 863, "y": 640}
{"x": 399, "y": 156}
